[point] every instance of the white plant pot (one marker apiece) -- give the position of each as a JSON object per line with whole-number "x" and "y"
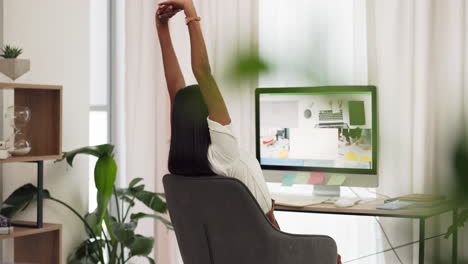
{"x": 14, "y": 68}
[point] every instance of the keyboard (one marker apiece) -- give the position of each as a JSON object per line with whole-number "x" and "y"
{"x": 394, "y": 205}
{"x": 332, "y": 125}
{"x": 329, "y": 115}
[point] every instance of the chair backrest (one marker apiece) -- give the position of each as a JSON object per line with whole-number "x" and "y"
{"x": 217, "y": 220}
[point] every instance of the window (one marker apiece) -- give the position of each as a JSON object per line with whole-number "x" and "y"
{"x": 100, "y": 92}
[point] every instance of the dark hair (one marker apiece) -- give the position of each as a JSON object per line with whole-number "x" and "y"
{"x": 190, "y": 137}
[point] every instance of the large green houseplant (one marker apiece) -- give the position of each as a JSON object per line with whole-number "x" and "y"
{"x": 111, "y": 238}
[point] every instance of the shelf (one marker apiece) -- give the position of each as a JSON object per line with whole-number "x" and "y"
{"x": 42, "y": 243}
{"x": 25, "y": 231}
{"x": 29, "y": 86}
{"x": 44, "y": 130}
{"x": 30, "y": 158}
{"x": 37, "y": 245}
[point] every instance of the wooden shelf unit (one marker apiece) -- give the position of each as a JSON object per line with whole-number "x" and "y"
{"x": 38, "y": 242}
{"x": 44, "y": 131}
{"x": 37, "y": 245}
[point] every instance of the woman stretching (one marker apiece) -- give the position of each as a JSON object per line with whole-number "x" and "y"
{"x": 201, "y": 139}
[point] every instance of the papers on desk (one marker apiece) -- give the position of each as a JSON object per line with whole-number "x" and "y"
{"x": 297, "y": 200}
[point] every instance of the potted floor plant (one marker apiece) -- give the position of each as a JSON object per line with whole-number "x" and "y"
{"x": 110, "y": 238}
{"x": 10, "y": 65}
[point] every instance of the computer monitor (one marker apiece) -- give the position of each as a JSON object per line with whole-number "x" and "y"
{"x": 322, "y": 135}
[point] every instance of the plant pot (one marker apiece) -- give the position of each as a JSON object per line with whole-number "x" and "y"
{"x": 14, "y": 68}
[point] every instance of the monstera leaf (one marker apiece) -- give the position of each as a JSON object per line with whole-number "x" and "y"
{"x": 20, "y": 199}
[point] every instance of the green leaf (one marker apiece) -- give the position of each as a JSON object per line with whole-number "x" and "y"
{"x": 97, "y": 151}
{"x": 105, "y": 174}
{"x": 138, "y": 216}
{"x": 152, "y": 200}
{"x": 107, "y": 221}
{"x": 134, "y": 182}
{"x": 150, "y": 260}
{"x": 128, "y": 200}
{"x": 134, "y": 190}
{"x": 20, "y": 199}
{"x": 124, "y": 232}
{"x": 460, "y": 160}
{"x": 86, "y": 252}
{"x": 10, "y": 52}
{"x": 93, "y": 221}
{"x": 461, "y": 219}
{"x": 141, "y": 246}
{"x": 130, "y": 192}
{"x": 248, "y": 65}
{"x": 25, "y": 193}
{"x": 11, "y": 211}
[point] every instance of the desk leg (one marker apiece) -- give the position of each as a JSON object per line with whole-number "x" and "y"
{"x": 422, "y": 231}
{"x": 455, "y": 238}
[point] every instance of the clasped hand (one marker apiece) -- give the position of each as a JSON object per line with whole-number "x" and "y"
{"x": 168, "y": 9}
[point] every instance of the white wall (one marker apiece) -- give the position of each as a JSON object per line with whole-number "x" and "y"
{"x": 55, "y": 36}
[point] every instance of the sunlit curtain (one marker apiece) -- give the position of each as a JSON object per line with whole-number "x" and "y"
{"x": 316, "y": 43}
{"x": 417, "y": 58}
{"x": 146, "y": 115}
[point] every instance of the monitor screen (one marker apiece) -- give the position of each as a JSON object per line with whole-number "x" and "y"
{"x": 329, "y": 129}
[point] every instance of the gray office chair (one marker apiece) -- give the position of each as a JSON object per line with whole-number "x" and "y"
{"x": 218, "y": 221}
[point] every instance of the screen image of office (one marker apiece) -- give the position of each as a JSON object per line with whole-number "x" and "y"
{"x": 327, "y": 129}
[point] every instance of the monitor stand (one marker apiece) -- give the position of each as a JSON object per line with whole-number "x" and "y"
{"x": 327, "y": 190}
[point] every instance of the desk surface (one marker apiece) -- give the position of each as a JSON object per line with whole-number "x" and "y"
{"x": 369, "y": 209}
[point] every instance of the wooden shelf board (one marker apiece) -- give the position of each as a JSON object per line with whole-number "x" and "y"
{"x": 29, "y": 86}
{"x": 30, "y": 158}
{"x": 26, "y": 231}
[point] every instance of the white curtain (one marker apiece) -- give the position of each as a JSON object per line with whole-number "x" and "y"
{"x": 146, "y": 114}
{"x": 315, "y": 43}
{"x": 417, "y": 58}
{"x": 146, "y": 102}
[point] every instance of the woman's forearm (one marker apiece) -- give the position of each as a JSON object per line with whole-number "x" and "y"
{"x": 174, "y": 77}
{"x": 200, "y": 61}
{"x": 201, "y": 69}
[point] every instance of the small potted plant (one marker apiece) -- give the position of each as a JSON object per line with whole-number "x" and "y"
{"x": 10, "y": 65}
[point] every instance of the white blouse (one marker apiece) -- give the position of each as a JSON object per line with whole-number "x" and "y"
{"x": 226, "y": 159}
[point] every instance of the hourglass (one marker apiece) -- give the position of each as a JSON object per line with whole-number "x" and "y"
{"x": 18, "y": 118}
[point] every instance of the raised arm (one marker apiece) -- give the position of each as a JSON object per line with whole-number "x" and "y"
{"x": 200, "y": 65}
{"x": 174, "y": 78}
